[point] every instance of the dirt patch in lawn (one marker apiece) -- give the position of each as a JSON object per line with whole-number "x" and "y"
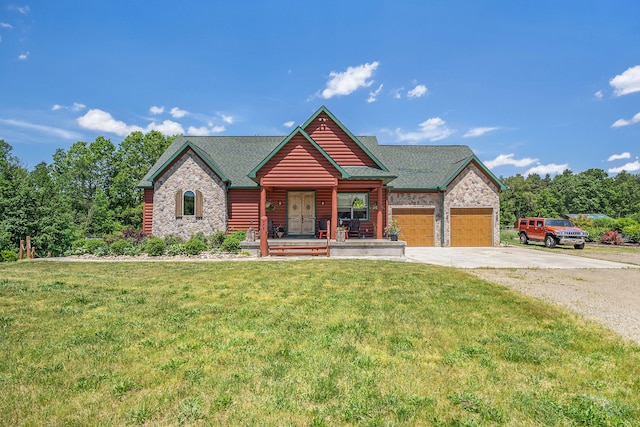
{"x": 608, "y": 296}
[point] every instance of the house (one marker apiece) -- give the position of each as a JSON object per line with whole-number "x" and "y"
{"x": 438, "y": 195}
{"x": 590, "y": 216}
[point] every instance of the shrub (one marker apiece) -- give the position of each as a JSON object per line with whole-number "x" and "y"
{"x": 121, "y": 247}
{"x": 88, "y": 246}
{"x": 217, "y": 238}
{"x": 133, "y": 250}
{"x": 101, "y": 250}
{"x": 594, "y": 232}
{"x": 611, "y": 237}
{"x": 135, "y": 235}
{"x": 155, "y": 246}
{"x": 194, "y": 246}
{"x": 239, "y": 235}
{"x": 622, "y": 223}
{"x": 632, "y": 232}
{"x": 231, "y": 244}
{"x": 8, "y": 256}
{"x": 200, "y": 236}
{"x": 172, "y": 239}
{"x": 608, "y": 223}
{"x": 176, "y": 249}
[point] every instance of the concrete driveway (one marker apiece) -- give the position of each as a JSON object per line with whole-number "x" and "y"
{"x": 504, "y": 257}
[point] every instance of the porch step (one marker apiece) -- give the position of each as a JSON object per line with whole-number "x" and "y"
{"x": 289, "y": 249}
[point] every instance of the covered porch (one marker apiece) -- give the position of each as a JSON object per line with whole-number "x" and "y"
{"x": 299, "y": 211}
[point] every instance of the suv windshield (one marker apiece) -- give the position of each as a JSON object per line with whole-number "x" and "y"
{"x": 559, "y": 223}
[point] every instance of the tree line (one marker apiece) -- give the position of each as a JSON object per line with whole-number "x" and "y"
{"x": 590, "y": 192}
{"x": 90, "y": 190}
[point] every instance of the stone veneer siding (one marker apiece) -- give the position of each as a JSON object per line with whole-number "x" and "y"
{"x": 189, "y": 172}
{"x": 473, "y": 189}
{"x": 419, "y": 200}
{"x": 470, "y": 189}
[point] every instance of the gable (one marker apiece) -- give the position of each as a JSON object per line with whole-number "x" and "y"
{"x": 188, "y": 150}
{"x": 338, "y": 142}
{"x": 298, "y": 163}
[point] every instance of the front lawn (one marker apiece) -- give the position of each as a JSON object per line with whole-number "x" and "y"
{"x": 317, "y": 342}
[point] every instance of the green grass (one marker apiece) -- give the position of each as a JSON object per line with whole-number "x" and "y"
{"x": 316, "y": 343}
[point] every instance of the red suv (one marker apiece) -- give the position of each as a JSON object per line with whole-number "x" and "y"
{"x": 551, "y": 231}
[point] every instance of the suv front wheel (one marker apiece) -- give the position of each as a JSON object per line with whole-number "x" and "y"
{"x": 550, "y": 241}
{"x": 523, "y": 238}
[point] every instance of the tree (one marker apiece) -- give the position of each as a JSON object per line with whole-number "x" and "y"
{"x": 52, "y": 228}
{"x": 133, "y": 159}
{"x": 12, "y": 217}
{"x": 81, "y": 171}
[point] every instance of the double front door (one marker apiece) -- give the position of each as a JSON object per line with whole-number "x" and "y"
{"x": 301, "y": 213}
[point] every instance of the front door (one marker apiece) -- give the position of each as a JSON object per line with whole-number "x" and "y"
{"x": 301, "y": 216}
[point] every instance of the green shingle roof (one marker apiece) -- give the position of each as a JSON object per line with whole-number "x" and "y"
{"x": 410, "y": 167}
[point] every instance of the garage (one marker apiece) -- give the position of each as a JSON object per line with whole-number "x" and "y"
{"x": 417, "y": 225}
{"x": 471, "y": 226}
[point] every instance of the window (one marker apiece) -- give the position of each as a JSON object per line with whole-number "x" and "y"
{"x": 353, "y": 205}
{"x": 189, "y": 204}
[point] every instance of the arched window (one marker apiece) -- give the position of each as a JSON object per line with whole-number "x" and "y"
{"x": 189, "y": 203}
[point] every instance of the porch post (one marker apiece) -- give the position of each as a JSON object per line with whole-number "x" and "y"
{"x": 334, "y": 212}
{"x": 264, "y": 222}
{"x": 380, "y": 227}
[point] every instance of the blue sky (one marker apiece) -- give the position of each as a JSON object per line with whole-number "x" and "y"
{"x": 530, "y": 86}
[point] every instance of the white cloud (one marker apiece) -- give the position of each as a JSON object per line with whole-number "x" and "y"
{"x": 622, "y": 122}
{"x": 627, "y": 82}
{"x": 347, "y": 82}
{"x": 374, "y": 95}
{"x": 204, "y": 130}
{"x": 45, "y": 129}
{"x": 167, "y": 127}
{"x": 201, "y": 131}
{"x": 629, "y": 167}
{"x": 102, "y": 121}
{"x": 599, "y": 94}
{"x": 227, "y": 119}
{"x": 289, "y": 124}
{"x": 155, "y": 110}
{"x": 397, "y": 93}
{"x": 417, "y": 92}
{"x": 5, "y": 25}
{"x": 77, "y": 106}
{"x": 625, "y": 155}
{"x": 177, "y": 113}
{"x": 23, "y": 56}
{"x": 22, "y": 9}
{"x": 550, "y": 169}
{"x": 507, "y": 159}
{"x": 475, "y": 132}
{"x": 433, "y": 129}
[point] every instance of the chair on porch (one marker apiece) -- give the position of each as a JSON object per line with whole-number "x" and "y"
{"x": 354, "y": 228}
{"x": 271, "y": 232}
{"x": 322, "y": 228}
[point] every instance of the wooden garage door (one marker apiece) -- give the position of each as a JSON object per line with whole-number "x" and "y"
{"x": 416, "y": 225}
{"x": 471, "y": 227}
